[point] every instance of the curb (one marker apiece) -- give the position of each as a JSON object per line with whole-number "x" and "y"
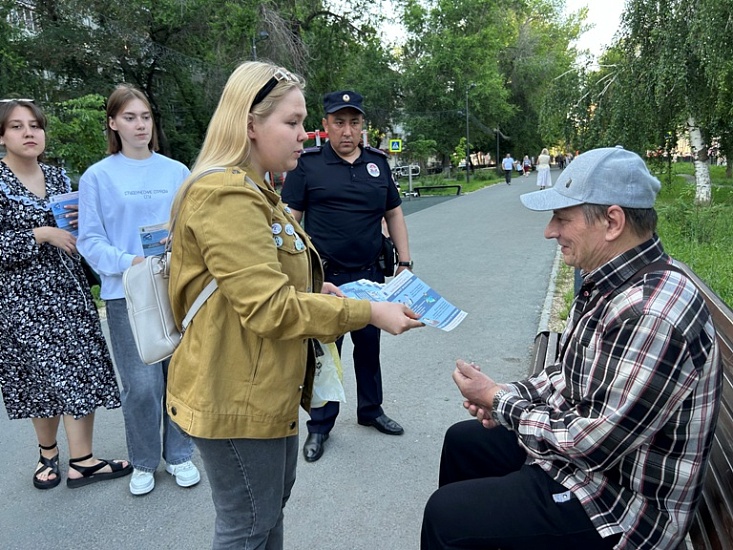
{"x": 544, "y": 324}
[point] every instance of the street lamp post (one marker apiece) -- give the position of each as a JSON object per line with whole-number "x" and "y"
{"x": 468, "y": 147}
{"x": 497, "y": 150}
{"x": 262, "y": 35}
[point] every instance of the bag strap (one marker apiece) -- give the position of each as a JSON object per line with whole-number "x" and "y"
{"x": 197, "y": 303}
{"x": 212, "y": 286}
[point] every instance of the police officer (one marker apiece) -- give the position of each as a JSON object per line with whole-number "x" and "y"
{"x": 345, "y": 189}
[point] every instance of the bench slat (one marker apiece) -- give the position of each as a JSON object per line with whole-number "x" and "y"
{"x": 717, "y": 524}
{"x": 540, "y": 350}
{"x": 702, "y": 531}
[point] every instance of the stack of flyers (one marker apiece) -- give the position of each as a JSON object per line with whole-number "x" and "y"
{"x": 153, "y": 239}
{"x": 406, "y": 288}
{"x": 58, "y": 207}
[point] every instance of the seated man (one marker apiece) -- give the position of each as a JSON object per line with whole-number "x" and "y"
{"x": 608, "y": 446}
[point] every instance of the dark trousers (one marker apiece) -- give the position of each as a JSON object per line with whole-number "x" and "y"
{"x": 508, "y": 176}
{"x": 366, "y": 364}
{"x": 490, "y": 499}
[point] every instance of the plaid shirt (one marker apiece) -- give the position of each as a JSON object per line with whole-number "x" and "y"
{"x": 626, "y": 418}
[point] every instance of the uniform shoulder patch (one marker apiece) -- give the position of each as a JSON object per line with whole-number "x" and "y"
{"x": 375, "y": 150}
{"x": 312, "y": 150}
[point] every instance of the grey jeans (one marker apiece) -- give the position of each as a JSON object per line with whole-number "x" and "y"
{"x": 143, "y": 399}
{"x": 250, "y": 480}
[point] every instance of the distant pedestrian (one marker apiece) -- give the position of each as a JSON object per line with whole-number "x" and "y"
{"x": 526, "y": 166}
{"x": 508, "y": 165}
{"x": 544, "y": 179}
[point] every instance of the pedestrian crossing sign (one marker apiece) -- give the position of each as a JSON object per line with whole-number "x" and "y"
{"x": 395, "y": 145}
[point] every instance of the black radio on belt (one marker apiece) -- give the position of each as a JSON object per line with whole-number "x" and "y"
{"x": 388, "y": 257}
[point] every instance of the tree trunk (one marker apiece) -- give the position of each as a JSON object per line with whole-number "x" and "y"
{"x": 703, "y": 193}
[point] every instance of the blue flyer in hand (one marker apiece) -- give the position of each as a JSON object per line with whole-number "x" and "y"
{"x": 153, "y": 239}
{"x": 60, "y": 212}
{"x": 406, "y": 288}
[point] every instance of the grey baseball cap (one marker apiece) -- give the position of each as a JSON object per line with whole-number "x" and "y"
{"x": 606, "y": 176}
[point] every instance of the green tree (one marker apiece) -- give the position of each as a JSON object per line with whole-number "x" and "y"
{"x": 715, "y": 51}
{"x": 652, "y": 85}
{"x": 445, "y": 53}
{"x": 420, "y": 150}
{"x": 16, "y": 79}
{"x": 509, "y": 50}
{"x": 76, "y": 137}
{"x": 537, "y": 52}
{"x": 180, "y": 53}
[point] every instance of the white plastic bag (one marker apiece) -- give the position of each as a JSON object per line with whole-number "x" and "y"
{"x": 327, "y": 384}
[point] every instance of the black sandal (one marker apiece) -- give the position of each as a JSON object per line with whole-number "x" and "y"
{"x": 50, "y": 464}
{"x": 90, "y": 475}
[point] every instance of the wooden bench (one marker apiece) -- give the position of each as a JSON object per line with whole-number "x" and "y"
{"x": 419, "y": 188}
{"x": 712, "y": 527}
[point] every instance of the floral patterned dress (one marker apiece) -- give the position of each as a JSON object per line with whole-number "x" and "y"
{"x": 53, "y": 356}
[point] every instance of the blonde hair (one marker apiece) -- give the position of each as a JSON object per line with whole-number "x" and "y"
{"x": 123, "y": 94}
{"x": 226, "y": 143}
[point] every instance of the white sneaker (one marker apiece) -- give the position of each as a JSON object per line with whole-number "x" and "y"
{"x": 141, "y": 483}
{"x": 186, "y": 474}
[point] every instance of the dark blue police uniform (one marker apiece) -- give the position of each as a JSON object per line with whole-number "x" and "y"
{"x": 343, "y": 205}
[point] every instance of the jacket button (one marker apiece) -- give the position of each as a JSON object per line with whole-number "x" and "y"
{"x": 174, "y": 412}
{"x": 292, "y": 425}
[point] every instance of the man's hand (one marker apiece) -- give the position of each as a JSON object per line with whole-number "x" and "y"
{"x": 479, "y": 391}
{"x": 481, "y": 414}
{"x": 474, "y": 385}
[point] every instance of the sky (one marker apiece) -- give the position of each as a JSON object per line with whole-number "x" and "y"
{"x": 604, "y": 15}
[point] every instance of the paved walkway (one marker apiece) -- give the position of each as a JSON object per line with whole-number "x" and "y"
{"x": 485, "y": 253}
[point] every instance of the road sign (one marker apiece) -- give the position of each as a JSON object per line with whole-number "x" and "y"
{"x": 395, "y": 145}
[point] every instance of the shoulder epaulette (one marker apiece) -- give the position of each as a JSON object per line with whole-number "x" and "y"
{"x": 375, "y": 150}
{"x": 311, "y": 150}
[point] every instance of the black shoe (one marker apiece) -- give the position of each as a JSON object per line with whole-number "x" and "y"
{"x": 313, "y": 447}
{"x": 384, "y": 424}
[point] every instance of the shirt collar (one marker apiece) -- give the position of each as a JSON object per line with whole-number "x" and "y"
{"x": 613, "y": 274}
{"x": 333, "y": 158}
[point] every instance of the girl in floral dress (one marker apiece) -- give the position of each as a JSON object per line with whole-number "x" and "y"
{"x": 54, "y": 361}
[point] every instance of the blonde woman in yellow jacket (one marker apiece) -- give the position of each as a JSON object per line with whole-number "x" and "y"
{"x": 243, "y": 368}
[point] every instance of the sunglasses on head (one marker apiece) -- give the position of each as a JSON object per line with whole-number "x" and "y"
{"x": 17, "y": 99}
{"x": 280, "y": 74}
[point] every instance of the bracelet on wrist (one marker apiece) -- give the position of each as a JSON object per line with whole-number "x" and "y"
{"x": 495, "y": 404}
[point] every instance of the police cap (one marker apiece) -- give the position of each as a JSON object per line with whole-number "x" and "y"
{"x": 344, "y": 99}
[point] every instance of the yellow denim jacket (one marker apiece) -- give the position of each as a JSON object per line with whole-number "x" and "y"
{"x": 240, "y": 369}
